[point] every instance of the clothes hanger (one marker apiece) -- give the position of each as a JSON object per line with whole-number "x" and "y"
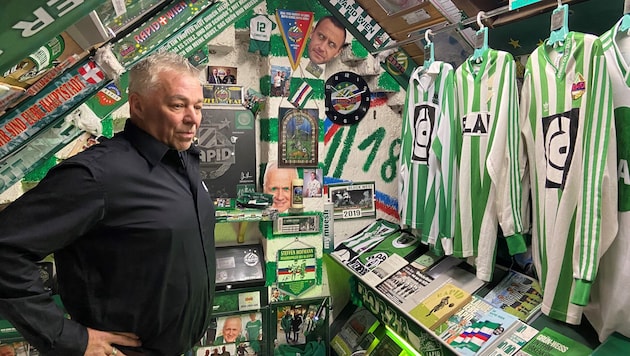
{"x": 481, "y": 45}
{"x": 559, "y": 25}
{"x": 625, "y": 20}
{"x": 428, "y": 50}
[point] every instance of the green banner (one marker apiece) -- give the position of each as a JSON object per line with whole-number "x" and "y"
{"x": 151, "y": 34}
{"x": 296, "y": 270}
{"x": 400, "y": 66}
{"x": 27, "y": 25}
{"x": 198, "y": 32}
{"x": 54, "y": 101}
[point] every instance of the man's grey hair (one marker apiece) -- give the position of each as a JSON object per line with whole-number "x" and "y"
{"x": 143, "y": 76}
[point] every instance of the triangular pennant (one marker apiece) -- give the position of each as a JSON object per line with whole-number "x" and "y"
{"x": 300, "y": 96}
{"x": 295, "y": 28}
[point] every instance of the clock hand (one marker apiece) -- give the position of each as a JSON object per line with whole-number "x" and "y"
{"x": 351, "y": 96}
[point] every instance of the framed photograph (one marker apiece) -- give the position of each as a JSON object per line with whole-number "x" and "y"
{"x": 313, "y": 183}
{"x": 280, "y": 80}
{"x": 231, "y": 333}
{"x": 299, "y": 322}
{"x": 297, "y": 224}
{"x": 352, "y": 200}
{"x": 298, "y": 137}
{"x": 221, "y": 75}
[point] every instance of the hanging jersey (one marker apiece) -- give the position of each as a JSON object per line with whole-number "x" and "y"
{"x": 260, "y": 27}
{"x": 609, "y": 308}
{"x": 488, "y": 137}
{"x": 568, "y": 132}
{"x": 427, "y": 162}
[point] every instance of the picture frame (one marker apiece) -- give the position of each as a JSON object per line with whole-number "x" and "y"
{"x": 245, "y": 331}
{"x": 307, "y": 223}
{"x": 298, "y": 137}
{"x": 296, "y": 333}
{"x": 352, "y": 200}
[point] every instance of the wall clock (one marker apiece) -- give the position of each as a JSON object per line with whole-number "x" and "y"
{"x": 347, "y": 98}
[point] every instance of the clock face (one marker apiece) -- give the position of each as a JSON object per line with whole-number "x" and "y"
{"x": 347, "y": 98}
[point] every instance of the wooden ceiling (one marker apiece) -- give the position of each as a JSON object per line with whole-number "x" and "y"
{"x": 418, "y": 15}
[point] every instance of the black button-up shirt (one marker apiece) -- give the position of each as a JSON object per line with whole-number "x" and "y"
{"x": 132, "y": 229}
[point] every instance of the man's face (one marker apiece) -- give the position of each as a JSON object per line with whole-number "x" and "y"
{"x": 231, "y": 329}
{"x": 171, "y": 112}
{"x": 326, "y": 42}
{"x": 6, "y": 351}
{"x": 214, "y": 72}
{"x": 279, "y": 185}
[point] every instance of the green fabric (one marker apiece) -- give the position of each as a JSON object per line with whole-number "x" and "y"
{"x": 581, "y": 292}
{"x": 516, "y": 244}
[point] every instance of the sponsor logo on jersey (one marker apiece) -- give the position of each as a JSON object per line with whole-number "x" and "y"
{"x": 423, "y": 123}
{"x": 476, "y": 124}
{"x": 560, "y": 134}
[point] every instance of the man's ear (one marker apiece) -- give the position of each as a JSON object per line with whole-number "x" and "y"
{"x": 135, "y": 105}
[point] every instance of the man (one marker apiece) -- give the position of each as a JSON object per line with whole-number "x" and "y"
{"x": 314, "y": 187}
{"x": 214, "y": 78}
{"x": 277, "y": 85}
{"x": 232, "y": 328}
{"x": 254, "y": 328}
{"x": 131, "y": 227}
{"x": 277, "y": 181}
{"x": 327, "y": 40}
{"x": 229, "y": 78}
{"x": 7, "y": 350}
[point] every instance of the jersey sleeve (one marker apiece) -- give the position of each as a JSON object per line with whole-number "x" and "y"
{"x": 598, "y": 178}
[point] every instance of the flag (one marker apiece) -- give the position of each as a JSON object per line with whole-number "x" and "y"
{"x": 300, "y": 96}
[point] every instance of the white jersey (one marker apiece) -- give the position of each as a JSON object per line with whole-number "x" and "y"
{"x": 489, "y": 180}
{"x": 609, "y": 308}
{"x": 260, "y": 28}
{"x": 568, "y": 133}
{"x": 427, "y": 164}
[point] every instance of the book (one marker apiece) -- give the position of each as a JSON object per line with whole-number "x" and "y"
{"x": 512, "y": 341}
{"x": 402, "y": 284}
{"x": 440, "y": 305}
{"x": 517, "y": 294}
{"x": 353, "y": 331}
{"x": 456, "y": 323}
{"x": 482, "y": 331}
{"x": 426, "y": 261}
{"x": 549, "y": 342}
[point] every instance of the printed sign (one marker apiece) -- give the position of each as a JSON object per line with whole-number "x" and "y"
{"x": 295, "y": 28}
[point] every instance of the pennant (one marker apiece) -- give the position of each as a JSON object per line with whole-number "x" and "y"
{"x": 295, "y": 28}
{"x": 300, "y": 96}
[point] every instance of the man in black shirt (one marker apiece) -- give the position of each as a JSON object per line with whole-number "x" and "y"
{"x": 131, "y": 226}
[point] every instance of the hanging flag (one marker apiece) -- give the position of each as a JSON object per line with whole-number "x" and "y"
{"x": 300, "y": 96}
{"x": 295, "y": 28}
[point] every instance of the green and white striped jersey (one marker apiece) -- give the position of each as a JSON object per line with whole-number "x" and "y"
{"x": 427, "y": 165}
{"x": 569, "y": 141}
{"x": 609, "y": 306}
{"x": 489, "y": 178}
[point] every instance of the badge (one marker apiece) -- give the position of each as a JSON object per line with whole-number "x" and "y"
{"x": 578, "y": 88}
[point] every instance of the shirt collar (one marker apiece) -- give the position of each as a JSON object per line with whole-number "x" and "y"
{"x": 149, "y": 147}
